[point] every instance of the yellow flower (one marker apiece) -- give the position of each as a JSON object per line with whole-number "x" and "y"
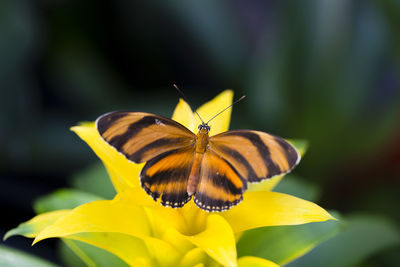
{"x": 143, "y": 233}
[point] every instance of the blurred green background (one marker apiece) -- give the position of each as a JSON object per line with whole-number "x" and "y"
{"x": 322, "y": 70}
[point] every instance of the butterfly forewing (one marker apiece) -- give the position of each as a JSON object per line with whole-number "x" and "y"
{"x": 255, "y": 155}
{"x": 220, "y": 185}
{"x": 142, "y": 136}
{"x": 167, "y": 174}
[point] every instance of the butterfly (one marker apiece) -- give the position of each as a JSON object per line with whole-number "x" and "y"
{"x": 180, "y": 164}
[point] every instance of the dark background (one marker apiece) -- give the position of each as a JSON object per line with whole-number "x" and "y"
{"x": 321, "y": 70}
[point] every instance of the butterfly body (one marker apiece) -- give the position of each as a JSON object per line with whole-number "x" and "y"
{"x": 214, "y": 170}
{"x": 201, "y": 146}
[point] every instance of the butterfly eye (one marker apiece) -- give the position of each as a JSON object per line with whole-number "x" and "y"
{"x": 205, "y": 127}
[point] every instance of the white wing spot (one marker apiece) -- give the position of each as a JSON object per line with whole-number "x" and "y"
{"x": 158, "y": 122}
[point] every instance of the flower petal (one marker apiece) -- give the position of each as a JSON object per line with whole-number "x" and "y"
{"x": 217, "y": 240}
{"x": 118, "y": 215}
{"x": 271, "y": 208}
{"x": 130, "y": 213}
{"x": 184, "y": 115}
{"x": 193, "y": 257}
{"x": 128, "y": 172}
{"x": 32, "y": 227}
{"x": 266, "y": 185}
{"x": 162, "y": 218}
{"x": 249, "y": 261}
{"x": 130, "y": 249}
{"x": 210, "y": 109}
{"x": 195, "y": 217}
{"x": 163, "y": 252}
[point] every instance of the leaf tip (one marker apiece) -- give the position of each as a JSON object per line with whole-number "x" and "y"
{"x": 9, "y": 234}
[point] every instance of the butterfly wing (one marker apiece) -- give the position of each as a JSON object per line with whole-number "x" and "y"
{"x": 220, "y": 185}
{"x": 167, "y": 174}
{"x": 142, "y": 136}
{"x": 255, "y": 155}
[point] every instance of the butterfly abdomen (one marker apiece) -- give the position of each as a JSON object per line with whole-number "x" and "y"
{"x": 194, "y": 175}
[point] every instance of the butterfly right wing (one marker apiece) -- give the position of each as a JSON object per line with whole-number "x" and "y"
{"x": 220, "y": 186}
{"x": 255, "y": 155}
{"x": 141, "y": 136}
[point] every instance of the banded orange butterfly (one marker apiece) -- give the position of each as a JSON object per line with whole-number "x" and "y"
{"x": 180, "y": 164}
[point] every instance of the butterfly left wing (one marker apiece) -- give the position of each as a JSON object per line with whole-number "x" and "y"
{"x": 166, "y": 176}
{"x": 255, "y": 155}
{"x": 220, "y": 186}
{"x": 141, "y": 136}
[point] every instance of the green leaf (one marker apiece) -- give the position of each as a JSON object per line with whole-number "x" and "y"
{"x": 298, "y": 187}
{"x": 249, "y": 261}
{"x": 63, "y": 199}
{"x": 94, "y": 180}
{"x": 300, "y": 144}
{"x": 282, "y": 244}
{"x": 75, "y": 254}
{"x": 68, "y": 256}
{"x": 363, "y": 236}
{"x": 13, "y": 257}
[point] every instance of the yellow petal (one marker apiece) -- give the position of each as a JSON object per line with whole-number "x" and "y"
{"x": 163, "y": 252}
{"x": 250, "y": 261}
{"x": 265, "y": 208}
{"x": 193, "y": 257}
{"x": 130, "y": 249}
{"x": 32, "y": 227}
{"x": 217, "y": 240}
{"x": 118, "y": 215}
{"x": 184, "y": 115}
{"x": 119, "y": 183}
{"x": 210, "y": 109}
{"x": 162, "y": 218}
{"x": 124, "y": 215}
{"x": 137, "y": 197}
{"x": 126, "y": 172}
{"x": 195, "y": 217}
{"x": 266, "y": 185}
{"x": 179, "y": 241}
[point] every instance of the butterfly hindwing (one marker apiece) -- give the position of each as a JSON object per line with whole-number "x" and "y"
{"x": 166, "y": 176}
{"x": 255, "y": 155}
{"x": 142, "y": 136}
{"x": 220, "y": 185}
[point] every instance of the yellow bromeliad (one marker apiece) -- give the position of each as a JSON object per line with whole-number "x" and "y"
{"x": 143, "y": 233}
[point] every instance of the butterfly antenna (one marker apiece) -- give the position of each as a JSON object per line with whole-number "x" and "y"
{"x": 226, "y": 108}
{"x": 184, "y": 97}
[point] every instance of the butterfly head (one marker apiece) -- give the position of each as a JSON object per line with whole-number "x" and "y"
{"x": 204, "y": 128}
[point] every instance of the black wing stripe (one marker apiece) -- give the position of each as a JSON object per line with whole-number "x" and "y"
{"x": 165, "y": 175}
{"x": 291, "y": 154}
{"x": 175, "y": 174}
{"x": 234, "y": 153}
{"x": 119, "y": 140}
{"x": 244, "y": 182}
{"x": 137, "y": 156}
{"x": 222, "y": 181}
{"x": 108, "y": 120}
{"x": 175, "y": 200}
{"x": 214, "y": 205}
{"x": 263, "y": 150}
